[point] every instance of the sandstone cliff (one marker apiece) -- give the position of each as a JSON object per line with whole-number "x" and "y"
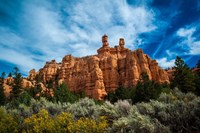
{"x": 98, "y": 74}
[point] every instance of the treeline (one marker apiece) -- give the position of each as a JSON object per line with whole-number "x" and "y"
{"x": 18, "y": 94}
{"x": 183, "y": 79}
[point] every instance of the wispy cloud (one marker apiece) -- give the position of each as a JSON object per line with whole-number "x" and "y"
{"x": 189, "y": 42}
{"x": 164, "y": 63}
{"x": 50, "y": 31}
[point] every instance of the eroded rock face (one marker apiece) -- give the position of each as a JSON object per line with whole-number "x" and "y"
{"x": 26, "y": 84}
{"x": 50, "y": 70}
{"x": 32, "y": 74}
{"x": 110, "y": 68}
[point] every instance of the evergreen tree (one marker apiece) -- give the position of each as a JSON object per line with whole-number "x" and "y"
{"x": 2, "y": 94}
{"x": 146, "y": 89}
{"x": 198, "y": 64}
{"x": 120, "y": 93}
{"x": 10, "y": 74}
{"x": 183, "y": 76}
{"x": 17, "y": 83}
{"x": 197, "y": 78}
{"x": 63, "y": 94}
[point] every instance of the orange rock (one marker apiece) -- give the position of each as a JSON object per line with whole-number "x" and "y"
{"x": 32, "y": 74}
{"x": 7, "y": 89}
{"x": 99, "y": 74}
{"x": 49, "y": 71}
{"x": 27, "y": 84}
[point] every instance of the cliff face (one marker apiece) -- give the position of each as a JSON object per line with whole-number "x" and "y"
{"x": 110, "y": 68}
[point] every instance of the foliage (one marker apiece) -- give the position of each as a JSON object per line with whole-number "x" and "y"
{"x": 197, "y": 79}
{"x": 2, "y": 94}
{"x": 24, "y": 98}
{"x": 65, "y": 122}
{"x": 10, "y": 74}
{"x": 40, "y": 122}
{"x": 83, "y": 108}
{"x": 87, "y": 125}
{"x": 183, "y": 77}
{"x": 198, "y": 64}
{"x": 120, "y": 93}
{"x": 8, "y": 123}
{"x": 171, "y": 112}
{"x": 63, "y": 94}
{"x": 177, "y": 110}
{"x": 17, "y": 83}
{"x": 35, "y": 91}
{"x": 146, "y": 90}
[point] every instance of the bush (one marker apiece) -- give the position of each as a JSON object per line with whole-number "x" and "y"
{"x": 65, "y": 122}
{"x": 40, "y": 122}
{"x": 87, "y": 125}
{"x": 83, "y": 108}
{"x": 172, "y": 112}
{"x": 136, "y": 122}
{"x": 8, "y": 123}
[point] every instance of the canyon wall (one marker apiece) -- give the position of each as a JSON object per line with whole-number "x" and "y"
{"x": 99, "y": 74}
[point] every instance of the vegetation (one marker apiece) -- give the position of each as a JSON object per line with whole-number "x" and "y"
{"x": 173, "y": 112}
{"x": 146, "y": 107}
{"x": 144, "y": 91}
{"x": 17, "y": 83}
{"x": 197, "y": 79}
{"x": 2, "y": 94}
{"x": 63, "y": 94}
{"x": 183, "y": 77}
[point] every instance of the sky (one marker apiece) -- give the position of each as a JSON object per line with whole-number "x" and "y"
{"x": 35, "y": 31}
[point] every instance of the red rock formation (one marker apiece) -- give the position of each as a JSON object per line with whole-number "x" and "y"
{"x": 110, "y": 68}
{"x": 32, "y": 74}
{"x": 50, "y": 70}
{"x": 26, "y": 84}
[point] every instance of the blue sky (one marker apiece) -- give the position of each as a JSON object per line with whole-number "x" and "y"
{"x": 35, "y": 31}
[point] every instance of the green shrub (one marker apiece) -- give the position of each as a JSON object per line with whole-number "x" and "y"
{"x": 8, "y": 123}
{"x": 85, "y": 107}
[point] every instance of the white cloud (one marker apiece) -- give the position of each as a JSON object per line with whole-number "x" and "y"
{"x": 189, "y": 41}
{"x": 115, "y": 18}
{"x": 185, "y": 32}
{"x": 8, "y": 38}
{"x": 50, "y": 32}
{"x": 25, "y": 62}
{"x": 195, "y": 48}
{"x": 164, "y": 63}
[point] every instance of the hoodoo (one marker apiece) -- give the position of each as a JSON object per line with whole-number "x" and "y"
{"x": 99, "y": 74}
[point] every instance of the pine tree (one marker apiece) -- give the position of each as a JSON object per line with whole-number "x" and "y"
{"x": 63, "y": 94}
{"x": 197, "y": 78}
{"x": 2, "y": 94}
{"x": 198, "y": 64}
{"x": 17, "y": 84}
{"x": 146, "y": 89}
{"x": 10, "y": 74}
{"x": 183, "y": 77}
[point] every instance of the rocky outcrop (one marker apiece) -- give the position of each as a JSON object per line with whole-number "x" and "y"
{"x": 27, "y": 84}
{"x": 99, "y": 74}
{"x": 49, "y": 71}
{"x": 32, "y": 74}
